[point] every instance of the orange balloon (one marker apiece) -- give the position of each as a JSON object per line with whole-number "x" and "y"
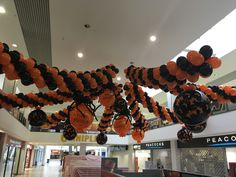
{"x": 138, "y": 135}
{"x": 35, "y": 73}
{"x": 172, "y": 67}
{"x": 29, "y": 63}
{"x": 122, "y": 125}
{"x": 73, "y": 76}
{"x": 193, "y": 78}
{"x": 5, "y": 59}
{"x": 9, "y": 68}
{"x": 195, "y": 58}
{"x": 107, "y": 98}
{"x": 214, "y": 62}
{"x": 40, "y": 82}
{"x": 181, "y": 75}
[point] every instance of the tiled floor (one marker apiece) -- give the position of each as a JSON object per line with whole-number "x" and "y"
{"x": 49, "y": 170}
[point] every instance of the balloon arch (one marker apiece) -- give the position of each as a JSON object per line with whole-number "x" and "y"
{"x": 192, "y": 106}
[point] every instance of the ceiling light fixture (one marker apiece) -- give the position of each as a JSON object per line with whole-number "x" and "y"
{"x": 2, "y": 10}
{"x": 153, "y": 38}
{"x": 118, "y": 78}
{"x": 14, "y": 45}
{"x": 80, "y": 55}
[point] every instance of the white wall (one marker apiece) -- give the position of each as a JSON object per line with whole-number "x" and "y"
{"x": 231, "y": 155}
{"x": 12, "y": 126}
{"x": 123, "y": 157}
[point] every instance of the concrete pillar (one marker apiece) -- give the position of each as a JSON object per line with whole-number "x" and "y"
{"x": 82, "y": 149}
{"x": 70, "y": 149}
{"x": 32, "y": 157}
{"x": 44, "y": 160}
{"x": 21, "y": 168}
{"x": 175, "y": 156}
{"x": 131, "y": 158}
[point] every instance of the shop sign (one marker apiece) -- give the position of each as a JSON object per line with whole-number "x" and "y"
{"x": 214, "y": 141}
{"x": 81, "y": 138}
{"x": 153, "y": 145}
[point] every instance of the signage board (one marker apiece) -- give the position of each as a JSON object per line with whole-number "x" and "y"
{"x": 153, "y": 145}
{"x": 85, "y": 138}
{"x": 213, "y": 141}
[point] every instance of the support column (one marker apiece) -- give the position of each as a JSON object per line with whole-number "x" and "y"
{"x": 175, "y": 156}
{"x": 21, "y": 168}
{"x": 82, "y": 149}
{"x": 32, "y": 157}
{"x": 70, "y": 149}
{"x": 44, "y": 160}
{"x": 131, "y": 158}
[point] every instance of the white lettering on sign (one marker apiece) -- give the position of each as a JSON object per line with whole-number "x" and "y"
{"x": 226, "y": 138}
{"x": 221, "y": 139}
{"x": 233, "y": 138}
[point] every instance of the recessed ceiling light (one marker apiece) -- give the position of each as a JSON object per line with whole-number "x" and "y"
{"x": 118, "y": 78}
{"x": 80, "y": 55}
{"x": 2, "y": 10}
{"x": 14, "y": 45}
{"x": 153, "y": 38}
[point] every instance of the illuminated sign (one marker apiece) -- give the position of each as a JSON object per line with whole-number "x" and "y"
{"x": 153, "y": 145}
{"x": 214, "y": 141}
{"x": 81, "y": 138}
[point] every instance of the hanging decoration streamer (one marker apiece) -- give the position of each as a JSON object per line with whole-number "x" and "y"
{"x": 192, "y": 106}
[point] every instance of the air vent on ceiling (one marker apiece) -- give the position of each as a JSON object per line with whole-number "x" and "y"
{"x": 34, "y": 17}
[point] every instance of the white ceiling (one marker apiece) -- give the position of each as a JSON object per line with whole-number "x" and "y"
{"x": 120, "y": 30}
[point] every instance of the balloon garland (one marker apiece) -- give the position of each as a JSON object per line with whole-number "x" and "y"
{"x": 8, "y": 100}
{"x": 192, "y": 106}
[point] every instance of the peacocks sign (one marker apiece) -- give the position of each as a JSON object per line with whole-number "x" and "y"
{"x": 214, "y": 141}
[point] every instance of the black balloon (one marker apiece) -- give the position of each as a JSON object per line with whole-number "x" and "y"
{"x": 69, "y": 132}
{"x": 192, "y": 107}
{"x": 120, "y": 105}
{"x": 206, "y": 51}
{"x": 205, "y": 70}
{"x": 37, "y": 117}
{"x": 197, "y": 128}
{"x": 184, "y": 135}
{"x": 101, "y": 138}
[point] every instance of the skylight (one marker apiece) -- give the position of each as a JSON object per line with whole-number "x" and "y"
{"x": 221, "y": 37}
{"x": 151, "y": 92}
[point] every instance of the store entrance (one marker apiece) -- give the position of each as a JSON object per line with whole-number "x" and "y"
{"x": 11, "y": 161}
{"x": 142, "y": 157}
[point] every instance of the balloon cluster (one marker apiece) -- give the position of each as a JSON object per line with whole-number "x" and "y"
{"x": 192, "y": 106}
{"x": 171, "y": 76}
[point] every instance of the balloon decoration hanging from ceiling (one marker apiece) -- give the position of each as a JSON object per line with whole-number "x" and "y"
{"x": 192, "y": 106}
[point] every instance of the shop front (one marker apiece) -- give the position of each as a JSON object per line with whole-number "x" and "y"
{"x": 12, "y": 157}
{"x": 152, "y": 155}
{"x": 214, "y": 156}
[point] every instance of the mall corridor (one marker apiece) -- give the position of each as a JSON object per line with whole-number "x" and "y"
{"x": 53, "y": 169}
